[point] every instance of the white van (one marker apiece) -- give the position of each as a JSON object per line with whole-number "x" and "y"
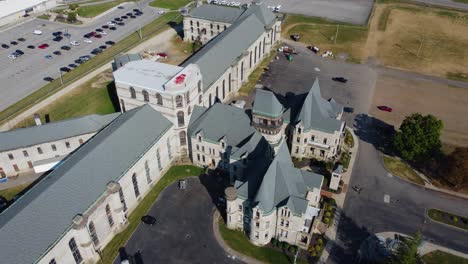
{"x": 37, "y": 32}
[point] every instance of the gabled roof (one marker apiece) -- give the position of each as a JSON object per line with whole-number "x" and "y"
{"x": 283, "y": 184}
{"x": 123, "y": 59}
{"x": 30, "y": 136}
{"x": 318, "y": 113}
{"x": 266, "y": 103}
{"x": 265, "y": 15}
{"x": 42, "y": 215}
{"x": 224, "y": 50}
{"x": 223, "y": 121}
{"x": 217, "y": 13}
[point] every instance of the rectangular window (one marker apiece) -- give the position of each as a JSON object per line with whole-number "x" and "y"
{"x": 198, "y": 147}
{"x": 239, "y": 217}
{"x": 286, "y": 234}
{"x": 256, "y": 235}
{"x": 54, "y": 148}
{"x": 147, "y": 172}
{"x": 257, "y": 224}
{"x": 324, "y": 141}
{"x": 25, "y": 153}
{"x": 198, "y": 157}
{"x": 203, "y": 158}
{"x": 312, "y": 138}
{"x": 203, "y": 149}
{"x": 39, "y": 150}
{"x": 282, "y": 222}
{"x": 67, "y": 144}
{"x": 158, "y": 157}
{"x": 15, "y": 167}
{"x": 122, "y": 199}
{"x": 266, "y": 235}
{"x": 10, "y": 156}
{"x": 240, "y": 208}
{"x": 298, "y": 140}
{"x": 305, "y": 140}
{"x": 287, "y": 223}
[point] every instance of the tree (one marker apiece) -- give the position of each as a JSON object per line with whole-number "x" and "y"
{"x": 407, "y": 251}
{"x": 418, "y": 138}
{"x": 455, "y": 169}
{"x": 71, "y": 17}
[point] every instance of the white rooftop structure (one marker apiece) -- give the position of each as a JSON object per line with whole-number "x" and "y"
{"x": 8, "y": 7}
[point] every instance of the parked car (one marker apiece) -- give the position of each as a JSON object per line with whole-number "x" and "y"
{"x": 12, "y": 56}
{"x": 340, "y": 79}
{"x": 98, "y": 36}
{"x": 43, "y": 46}
{"x": 103, "y": 47}
{"x": 5, "y": 46}
{"x": 72, "y": 65}
{"x": 103, "y": 33}
{"x": 121, "y": 24}
{"x": 162, "y": 54}
{"x": 65, "y": 48}
{"x": 96, "y": 51}
{"x": 120, "y": 7}
{"x": 65, "y": 69}
{"x": 348, "y": 109}
{"x": 357, "y": 189}
{"x": 105, "y": 26}
{"x": 385, "y": 108}
{"x": 22, "y": 39}
{"x": 48, "y": 79}
{"x": 87, "y": 41}
{"x": 295, "y": 37}
{"x": 124, "y": 17}
{"x": 74, "y": 43}
{"x": 314, "y": 49}
{"x": 85, "y": 58}
{"x": 58, "y": 38}
{"x": 110, "y": 42}
{"x": 112, "y": 28}
{"x": 129, "y": 14}
{"x": 48, "y": 56}
{"x": 37, "y": 32}
{"x": 31, "y": 47}
{"x": 57, "y": 52}
{"x": 19, "y": 52}
{"x": 57, "y": 33}
{"x": 111, "y": 23}
{"x": 13, "y": 42}
{"x": 148, "y": 219}
{"x": 67, "y": 35}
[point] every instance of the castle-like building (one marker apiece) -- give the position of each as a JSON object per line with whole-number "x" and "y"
{"x": 104, "y": 165}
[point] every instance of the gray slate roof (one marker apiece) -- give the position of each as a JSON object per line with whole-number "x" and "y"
{"x": 266, "y": 103}
{"x": 121, "y": 60}
{"x": 34, "y": 222}
{"x": 225, "y": 49}
{"x": 30, "y": 136}
{"x": 318, "y": 113}
{"x": 283, "y": 184}
{"x": 217, "y": 13}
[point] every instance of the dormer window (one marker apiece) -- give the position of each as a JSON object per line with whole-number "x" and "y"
{"x": 299, "y": 130}
{"x": 199, "y": 138}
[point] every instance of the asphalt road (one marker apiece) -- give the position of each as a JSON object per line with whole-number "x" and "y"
{"x": 184, "y": 229}
{"x": 25, "y": 74}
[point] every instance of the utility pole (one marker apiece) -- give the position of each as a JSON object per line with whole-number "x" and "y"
{"x": 61, "y": 77}
{"x": 336, "y": 35}
{"x": 297, "y": 253}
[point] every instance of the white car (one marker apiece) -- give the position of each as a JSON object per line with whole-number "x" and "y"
{"x": 74, "y": 43}
{"x": 37, "y": 32}
{"x": 103, "y": 33}
{"x": 87, "y": 41}
{"x": 110, "y": 24}
{"x": 161, "y": 12}
{"x": 12, "y": 56}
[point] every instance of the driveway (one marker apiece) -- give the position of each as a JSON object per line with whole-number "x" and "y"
{"x": 184, "y": 229}
{"x": 24, "y": 75}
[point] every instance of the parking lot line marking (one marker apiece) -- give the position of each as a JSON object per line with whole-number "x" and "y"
{"x": 386, "y": 198}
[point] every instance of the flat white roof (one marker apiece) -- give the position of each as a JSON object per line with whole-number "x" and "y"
{"x": 8, "y": 7}
{"x": 146, "y": 74}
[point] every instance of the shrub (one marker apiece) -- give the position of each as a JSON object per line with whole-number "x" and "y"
{"x": 326, "y": 220}
{"x": 292, "y": 249}
{"x": 73, "y": 7}
{"x": 71, "y": 17}
{"x": 284, "y": 245}
{"x": 313, "y": 254}
{"x": 319, "y": 241}
{"x": 273, "y": 241}
{"x": 455, "y": 219}
{"x": 318, "y": 247}
{"x": 327, "y": 214}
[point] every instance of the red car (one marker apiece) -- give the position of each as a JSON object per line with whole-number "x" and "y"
{"x": 162, "y": 54}
{"x": 97, "y": 35}
{"x": 43, "y": 46}
{"x": 385, "y": 108}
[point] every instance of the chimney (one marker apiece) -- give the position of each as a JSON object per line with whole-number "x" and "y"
{"x": 37, "y": 119}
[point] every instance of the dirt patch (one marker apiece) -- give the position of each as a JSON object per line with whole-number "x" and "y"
{"x": 410, "y": 96}
{"x": 101, "y": 79}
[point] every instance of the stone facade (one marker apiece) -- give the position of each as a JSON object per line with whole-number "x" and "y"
{"x": 315, "y": 143}
{"x": 202, "y": 29}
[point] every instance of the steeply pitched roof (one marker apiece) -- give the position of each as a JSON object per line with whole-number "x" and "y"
{"x": 266, "y": 103}
{"x": 223, "y": 121}
{"x": 39, "y": 218}
{"x": 217, "y": 13}
{"x": 318, "y": 113}
{"x": 225, "y": 49}
{"x": 266, "y": 16}
{"x": 283, "y": 184}
{"x": 30, "y": 136}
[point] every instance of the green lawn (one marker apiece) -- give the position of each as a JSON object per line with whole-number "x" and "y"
{"x": 94, "y": 10}
{"x": 402, "y": 170}
{"x": 461, "y": 1}
{"x": 238, "y": 241}
{"x": 440, "y": 257}
{"x": 448, "y": 218}
{"x": 249, "y": 86}
{"x": 174, "y": 174}
{"x": 150, "y": 30}
{"x": 170, "y": 4}
{"x": 458, "y": 76}
{"x": 11, "y": 192}
{"x": 92, "y": 97}
{"x": 44, "y": 16}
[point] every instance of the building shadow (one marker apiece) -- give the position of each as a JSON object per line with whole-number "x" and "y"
{"x": 178, "y": 27}
{"x": 111, "y": 90}
{"x": 375, "y": 131}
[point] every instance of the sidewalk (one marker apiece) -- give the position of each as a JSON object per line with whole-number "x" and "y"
{"x": 330, "y": 234}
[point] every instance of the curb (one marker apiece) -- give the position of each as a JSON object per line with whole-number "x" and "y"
{"x": 426, "y": 214}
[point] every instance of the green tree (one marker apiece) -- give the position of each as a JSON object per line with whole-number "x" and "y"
{"x": 418, "y": 138}
{"x": 407, "y": 251}
{"x": 71, "y": 17}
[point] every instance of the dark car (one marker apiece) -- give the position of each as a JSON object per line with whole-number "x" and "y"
{"x": 120, "y": 7}
{"x": 31, "y": 47}
{"x": 71, "y": 65}
{"x": 103, "y": 47}
{"x": 112, "y": 28}
{"x": 348, "y": 109}
{"x": 48, "y": 79}
{"x": 357, "y": 189}
{"x": 129, "y": 14}
{"x": 148, "y": 219}
{"x": 105, "y": 26}
{"x": 57, "y": 33}
{"x": 22, "y": 39}
{"x": 121, "y": 23}
{"x": 79, "y": 61}
{"x": 98, "y": 36}
{"x": 58, "y": 38}
{"x": 385, "y": 108}
{"x": 136, "y": 10}
{"x": 295, "y": 37}
{"x": 99, "y": 30}
{"x": 19, "y": 52}
{"x": 96, "y": 51}
{"x": 340, "y": 79}
{"x": 110, "y": 42}
{"x": 65, "y": 69}
{"x": 5, "y": 46}
{"x": 132, "y": 16}
{"x": 65, "y": 48}
{"x": 117, "y": 19}
{"x": 138, "y": 13}
{"x": 124, "y": 17}
{"x": 13, "y": 43}
{"x": 57, "y": 52}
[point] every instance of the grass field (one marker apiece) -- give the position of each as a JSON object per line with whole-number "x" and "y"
{"x": 11, "y": 192}
{"x": 150, "y": 30}
{"x": 97, "y": 96}
{"x": 94, "y": 10}
{"x": 440, "y": 257}
{"x": 170, "y": 4}
{"x": 238, "y": 241}
{"x": 448, "y": 218}
{"x": 402, "y": 170}
{"x": 174, "y": 174}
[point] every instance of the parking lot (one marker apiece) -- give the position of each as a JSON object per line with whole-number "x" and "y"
{"x": 25, "y": 74}
{"x": 293, "y": 79}
{"x": 183, "y": 232}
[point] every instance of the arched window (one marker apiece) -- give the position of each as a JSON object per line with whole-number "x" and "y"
{"x": 242, "y": 71}
{"x": 179, "y": 101}
{"x": 109, "y": 216}
{"x": 229, "y": 82}
{"x": 159, "y": 99}
{"x": 147, "y": 172}
{"x": 135, "y": 185}
{"x": 122, "y": 104}
{"x": 250, "y": 60}
{"x": 225, "y": 27}
{"x": 200, "y": 99}
{"x": 169, "y": 152}
{"x": 132, "y": 92}
{"x": 211, "y": 25}
{"x": 158, "y": 158}
{"x": 122, "y": 199}
{"x": 198, "y": 24}
{"x": 180, "y": 118}
{"x": 199, "y": 86}
{"x": 189, "y": 110}
{"x": 52, "y": 261}
{"x": 209, "y": 100}
{"x": 187, "y": 97}
{"x": 75, "y": 251}
{"x": 217, "y": 92}
{"x": 94, "y": 236}
{"x": 255, "y": 55}
{"x": 183, "y": 138}
{"x": 218, "y": 27}
{"x": 145, "y": 96}
{"x": 264, "y": 39}
{"x": 224, "y": 89}
{"x": 191, "y": 22}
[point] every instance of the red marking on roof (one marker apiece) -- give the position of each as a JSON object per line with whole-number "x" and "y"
{"x": 180, "y": 79}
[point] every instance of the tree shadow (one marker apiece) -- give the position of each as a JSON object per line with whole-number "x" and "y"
{"x": 374, "y": 131}
{"x": 215, "y": 182}
{"x": 111, "y": 90}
